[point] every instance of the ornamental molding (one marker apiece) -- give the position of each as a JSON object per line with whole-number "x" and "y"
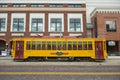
{"x": 105, "y": 11}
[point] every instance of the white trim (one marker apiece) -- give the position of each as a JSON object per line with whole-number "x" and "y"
{"x": 75, "y": 15}
{"x": 33, "y": 34}
{"x": 75, "y": 34}
{"x": 105, "y": 10}
{"x": 4, "y": 15}
{"x": 18, "y": 15}
{"x": 56, "y": 34}
{"x": 2, "y": 34}
{"x": 17, "y": 34}
{"x": 56, "y": 15}
{"x": 37, "y": 15}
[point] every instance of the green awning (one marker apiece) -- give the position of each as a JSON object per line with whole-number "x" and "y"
{"x": 89, "y": 25}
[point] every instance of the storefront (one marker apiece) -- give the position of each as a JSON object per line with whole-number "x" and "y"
{"x": 2, "y": 46}
{"x": 113, "y": 48}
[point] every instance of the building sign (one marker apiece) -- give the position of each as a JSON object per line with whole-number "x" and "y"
{"x": 111, "y": 43}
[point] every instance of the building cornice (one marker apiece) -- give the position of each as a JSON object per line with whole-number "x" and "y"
{"x": 43, "y": 1}
{"x": 105, "y": 10}
{"x": 42, "y": 9}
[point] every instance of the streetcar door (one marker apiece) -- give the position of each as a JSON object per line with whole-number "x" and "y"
{"x": 99, "y": 50}
{"x": 19, "y": 49}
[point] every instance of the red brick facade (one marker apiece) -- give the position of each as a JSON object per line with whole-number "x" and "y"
{"x": 99, "y": 18}
{"x": 65, "y": 10}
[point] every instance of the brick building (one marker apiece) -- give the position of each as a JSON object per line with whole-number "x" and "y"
{"x": 106, "y": 24}
{"x": 38, "y": 18}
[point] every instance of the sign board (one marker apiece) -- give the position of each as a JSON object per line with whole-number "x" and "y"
{"x": 111, "y": 43}
{"x": 4, "y": 53}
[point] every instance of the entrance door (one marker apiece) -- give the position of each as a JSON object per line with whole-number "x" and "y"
{"x": 19, "y": 49}
{"x": 99, "y": 50}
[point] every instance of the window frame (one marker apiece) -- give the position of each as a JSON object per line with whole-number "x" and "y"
{"x": 18, "y": 25}
{"x": 1, "y": 26}
{"x": 111, "y": 25}
{"x": 37, "y": 25}
{"x": 75, "y": 16}
{"x": 75, "y": 22}
{"x": 56, "y": 22}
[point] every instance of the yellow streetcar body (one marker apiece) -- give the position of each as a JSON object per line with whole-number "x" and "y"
{"x": 76, "y": 48}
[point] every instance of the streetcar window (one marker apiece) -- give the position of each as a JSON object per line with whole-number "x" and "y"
{"x": 43, "y": 45}
{"x": 33, "y": 45}
{"x": 38, "y": 45}
{"x": 89, "y": 45}
{"x": 28, "y": 45}
{"x": 69, "y": 45}
{"x": 79, "y": 45}
{"x": 74, "y": 45}
{"x": 64, "y": 45}
{"x": 84, "y": 45}
{"x": 59, "y": 46}
{"x": 49, "y": 45}
{"x": 53, "y": 45}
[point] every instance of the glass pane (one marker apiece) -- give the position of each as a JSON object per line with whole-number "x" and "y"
{"x": 64, "y": 45}
{"x": 78, "y": 29}
{"x": 38, "y": 45}
{"x": 77, "y": 20}
{"x": 84, "y": 45}
{"x": 28, "y": 45}
{"x": 69, "y": 45}
{"x": 52, "y": 27}
{"x": 89, "y": 45}
{"x": 79, "y": 45}
{"x": 43, "y": 45}
{"x": 59, "y": 45}
{"x": 33, "y": 27}
{"x": 78, "y": 25}
{"x": 53, "y": 45}
{"x": 33, "y": 45}
{"x": 74, "y": 45}
{"x": 21, "y": 26}
{"x": 2, "y": 24}
{"x": 48, "y": 45}
{"x": 40, "y": 27}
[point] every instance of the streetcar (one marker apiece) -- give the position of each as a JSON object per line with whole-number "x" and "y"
{"x": 59, "y": 48}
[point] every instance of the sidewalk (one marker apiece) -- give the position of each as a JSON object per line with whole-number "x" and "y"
{"x": 110, "y": 61}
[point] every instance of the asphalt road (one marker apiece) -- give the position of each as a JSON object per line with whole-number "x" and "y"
{"x": 20, "y": 72}
{"x": 11, "y": 70}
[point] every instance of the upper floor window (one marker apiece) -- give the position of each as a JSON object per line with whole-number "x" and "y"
{"x": 75, "y": 22}
{"x": 56, "y": 5}
{"x": 111, "y": 26}
{"x": 56, "y": 25}
{"x": 74, "y": 5}
{"x": 2, "y": 24}
{"x": 19, "y": 5}
{"x": 18, "y": 24}
{"x": 3, "y": 5}
{"x": 37, "y": 5}
{"x": 37, "y": 25}
{"x": 75, "y": 25}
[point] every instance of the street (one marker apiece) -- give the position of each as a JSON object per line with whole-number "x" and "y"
{"x": 10, "y": 70}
